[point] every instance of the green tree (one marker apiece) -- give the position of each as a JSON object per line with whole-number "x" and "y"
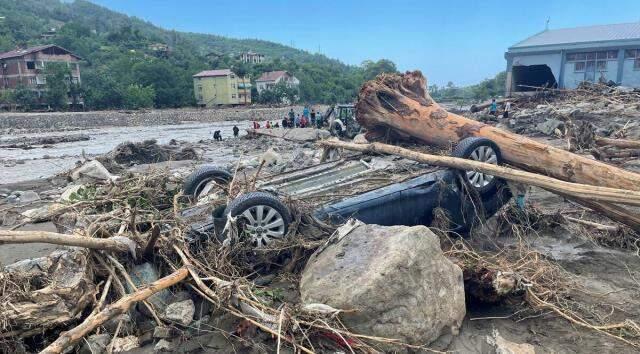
{"x": 26, "y": 98}
{"x": 138, "y": 96}
{"x": 7, "y": 97}
{"x": 372, "y": 69}
{"x": 57, "y": 85}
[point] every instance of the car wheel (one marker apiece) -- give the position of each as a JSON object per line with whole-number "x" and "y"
{"x": 482, "y": 150}
{"x": 336, "y": 129}
{"x": 199, "y": 183}
{"x": 264, "y": 218}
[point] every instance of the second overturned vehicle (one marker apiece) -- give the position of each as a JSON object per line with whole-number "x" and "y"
{"x": 355, "y": 187}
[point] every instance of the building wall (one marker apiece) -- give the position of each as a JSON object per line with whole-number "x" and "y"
{"x": 17, "y": 71}
{"x": 619, "y": 69}
{"x": 630, "y": 76}
{"x": 572, "y": 78}
{"x": 552, "y": 60}
{"x": 292, "y": 81}
{"x": 220, "y": 90}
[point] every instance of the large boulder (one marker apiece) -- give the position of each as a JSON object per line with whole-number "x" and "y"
{"x": 395, "y": 278}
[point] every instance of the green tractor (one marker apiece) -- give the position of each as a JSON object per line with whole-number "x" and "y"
{"x": 342, "y": 120}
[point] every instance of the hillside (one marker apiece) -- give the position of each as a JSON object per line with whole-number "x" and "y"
{"x": 119, "y": 63}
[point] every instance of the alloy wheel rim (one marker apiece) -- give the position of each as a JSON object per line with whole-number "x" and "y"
{"x": 483, "y": 154}
{"x": 264, "y": 224}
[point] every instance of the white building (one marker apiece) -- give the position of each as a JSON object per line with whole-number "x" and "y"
{"x": 252, "y": 57}
{"x": 268, "y": 80}
{"x": 566, "y": 57}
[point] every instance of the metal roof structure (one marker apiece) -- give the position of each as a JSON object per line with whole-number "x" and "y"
{"x": 22, "y": 52}
{"x": 582, "y": 35}
{"x": 213, "y": 73}
{"x": 271, "y": 76}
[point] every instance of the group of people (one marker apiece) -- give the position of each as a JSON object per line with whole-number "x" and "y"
{"x": 309, "y": 118}
{"x": 217, "y": 135}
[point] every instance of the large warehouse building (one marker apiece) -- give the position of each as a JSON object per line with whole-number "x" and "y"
{"x": 564, "y": 58}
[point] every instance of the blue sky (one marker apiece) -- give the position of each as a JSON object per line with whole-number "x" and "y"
{"x": 451, "y": 40}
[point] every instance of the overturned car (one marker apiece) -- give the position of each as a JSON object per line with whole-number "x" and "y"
{"x": 466, "y": 197}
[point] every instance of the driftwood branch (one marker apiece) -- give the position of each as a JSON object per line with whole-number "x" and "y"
{"x": 115, "y": 245}
{"x": 576, "y": 190}
{"x": 620, "y": 143}
{"x": 119, "y": 307}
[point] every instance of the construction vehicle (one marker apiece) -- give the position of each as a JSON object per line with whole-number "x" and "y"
{"x": 342, "y": 120}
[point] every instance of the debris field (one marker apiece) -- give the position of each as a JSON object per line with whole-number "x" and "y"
{"x": 433, "y": 232}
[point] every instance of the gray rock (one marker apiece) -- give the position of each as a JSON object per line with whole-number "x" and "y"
{"x": 162, "y": 332}
{"x": 92, "y": 170}
{"x": 24, "y": 197}
{"x": 396, "y": 277}
{"x": 96, "y": 344}
{"x": 549, "y": 126}
{"x": 180, "y": 312}
{"x": 128, "y": 325}
{"x": 146, "y": 273}
{"x": 163, "y": 345}
{"x": 124, "y": 344}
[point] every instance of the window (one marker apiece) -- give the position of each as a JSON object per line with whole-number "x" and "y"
{"x": 579, "y": 66}
{"x": 32, "y": 80}
{"x": 633, "y": 54}
{"x": 233, "y": 86}
{"x": 601, "y": 65}
{"x": 40, "y": 80}
{"x": 31, "y": 65}
{"x": 39, "y": 64}
{"x": 612, "y": 54}
{"x": 200, "y": 88}
{"x": 233, "y": 96}
{"x": 75, "y": 79}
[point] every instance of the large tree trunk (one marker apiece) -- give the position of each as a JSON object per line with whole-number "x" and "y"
{"x": 401, "y": 102}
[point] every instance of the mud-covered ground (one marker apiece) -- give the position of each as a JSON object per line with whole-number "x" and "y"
{"x": 606, "y": 275}
{"x": 33, "y": 145}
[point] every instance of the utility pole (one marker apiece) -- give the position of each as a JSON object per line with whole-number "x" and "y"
{"x": 546, "y": 26}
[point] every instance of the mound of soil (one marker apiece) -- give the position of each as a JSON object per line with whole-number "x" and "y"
{"x": 148, "y": 151}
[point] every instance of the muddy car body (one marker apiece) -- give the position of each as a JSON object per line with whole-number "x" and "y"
{"x": 357, "y": 187}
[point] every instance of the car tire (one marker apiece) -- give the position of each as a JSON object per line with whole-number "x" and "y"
{"x": 336, "y": 130}
{"x": 196, "y": 181}
{"x": 483, "y": 150}
{"x": 247, "y": 206}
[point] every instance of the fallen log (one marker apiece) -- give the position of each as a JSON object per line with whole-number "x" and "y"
{"x": 595, "y": 225}
{"x": 107, "y": 244}
{"x": 575, "y": 190}
{"x": 478, "y": 107}
{"x": 612, "y": 211}
{"x": 402, "y": 103}
{"x": 620, "y": 143}
{"x": 121, "y": 306}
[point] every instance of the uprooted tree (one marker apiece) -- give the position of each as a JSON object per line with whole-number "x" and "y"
{"x": 401, "y": 104}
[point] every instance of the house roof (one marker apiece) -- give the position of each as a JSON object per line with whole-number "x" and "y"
{"x": 272, "y": 75}
{"x": 599, "y": 33}
{"x": 22, "y": 52}
{"x": 213, "y": 73}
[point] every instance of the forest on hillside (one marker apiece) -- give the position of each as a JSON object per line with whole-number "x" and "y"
{"x": 121, "y": 68}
